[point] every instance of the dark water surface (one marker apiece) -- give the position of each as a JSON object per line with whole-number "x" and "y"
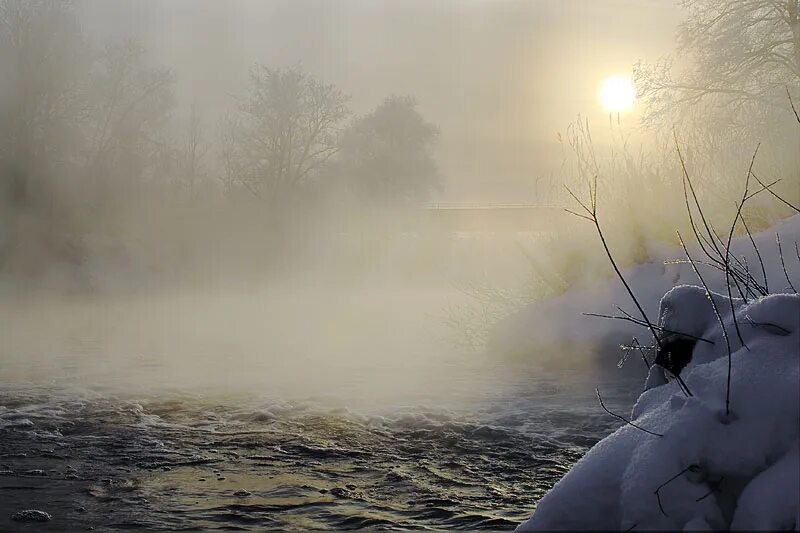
{"x": 280, "y": 410}
{"x": 176, "y": 461}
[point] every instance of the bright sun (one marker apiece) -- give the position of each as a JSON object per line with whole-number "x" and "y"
{"x": 617, "y": 93}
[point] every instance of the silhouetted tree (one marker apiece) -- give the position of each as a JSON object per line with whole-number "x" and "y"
{"x": 387, "y": 155}
{"x": 283, "y": 132}
{"x": 739, "y": 56}
{"x": 191, "y": 152}
{"x": 43, "y": 67}
{"x": 131, "y": 102}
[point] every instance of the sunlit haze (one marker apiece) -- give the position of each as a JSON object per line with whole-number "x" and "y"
{"x": 617, "y": 93}
{"x": 396, "y": 264}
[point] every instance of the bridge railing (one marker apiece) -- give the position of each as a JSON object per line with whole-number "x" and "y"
{"x": 464, "y": 205}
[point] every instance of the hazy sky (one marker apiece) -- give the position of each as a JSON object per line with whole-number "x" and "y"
{"x": 499, "y": 77}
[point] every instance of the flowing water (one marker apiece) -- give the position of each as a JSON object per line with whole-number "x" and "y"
{"x": 102, "y": 427}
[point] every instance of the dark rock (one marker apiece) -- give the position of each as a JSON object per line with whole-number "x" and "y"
{"x": 675, "y": 353}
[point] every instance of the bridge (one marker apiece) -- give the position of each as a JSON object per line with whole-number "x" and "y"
{"x": 496, "y": 218}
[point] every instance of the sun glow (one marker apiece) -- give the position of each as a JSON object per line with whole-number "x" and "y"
{"x": 617, "y": 94}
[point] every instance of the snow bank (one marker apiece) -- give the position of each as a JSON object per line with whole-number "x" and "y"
{"x": 706, "y": 467}
{"x": 559, "y": 326}
{"x": 701, "y": 463}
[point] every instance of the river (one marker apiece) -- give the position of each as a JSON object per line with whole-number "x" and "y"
{"x": 281, "y": 409}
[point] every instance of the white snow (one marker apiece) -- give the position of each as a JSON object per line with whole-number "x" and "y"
{"x": 706, "y": 468}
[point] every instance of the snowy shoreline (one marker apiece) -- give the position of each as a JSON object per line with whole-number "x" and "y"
{"x": 688, "y": 459}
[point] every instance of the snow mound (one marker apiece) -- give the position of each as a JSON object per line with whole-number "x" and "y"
{"x": 703, "y": 463}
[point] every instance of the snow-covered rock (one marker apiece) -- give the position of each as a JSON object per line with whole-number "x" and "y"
{"x": 709, "y": 466}
{"x": 725, "y": 454}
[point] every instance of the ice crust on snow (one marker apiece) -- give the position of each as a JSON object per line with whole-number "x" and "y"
{"x": 709, "y": 469}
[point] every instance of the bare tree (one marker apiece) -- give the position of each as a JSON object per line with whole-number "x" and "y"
{"x": 742, "y": 54}
{"x": 284, "y": 131}
{"x": 131, "y": 104}
{"x": 732, "y": 85}
{"x": 43, "y": 61}
{"x": 183, "y": 162}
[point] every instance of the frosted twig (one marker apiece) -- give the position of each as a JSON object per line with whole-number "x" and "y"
{"x": 747, "y": 288}
{"x": 758, "y": 255}
{"x": 783, "y": 263}
{"x": 776, "y": 195}
{"x": 749, "y": 277}
{"x": 728, "y": 246}
{"x": 705, "y": 243}
{"x": 635, "y": 345}
{"x": 688, "y": 181}
{"x": 642, "y": 323}
{"x": 721, "y": 324}
{"x": 775, "y": 329}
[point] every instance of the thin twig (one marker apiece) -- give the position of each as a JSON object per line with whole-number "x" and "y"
{"x": 776, "y": 195}
{"x": 728, "y": 247}
{"x": 775, "y": 329}
{"x": 635, "y": 345}
{"x": 667, "y": 482}
{"x": 701, "y": 239}
{"x": 709, "y": 265}
{"x": 592, "y": 213}
{"x": 600, "y": 399}
{"x": 714, "y": 487}
{"x": 721, "y": 323}
{"x": 641, "y": 323}
{"x": 688, "y": 181}
{"x": 681, "y": 383}
{"x": 749, "y": 277}
{"x": 791, "y": 103}
{"x": 720, "y": 269}
{"x": 578, "y": 215}
{"x": 758, "y": 255}
{"x": 783, "y": 263}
